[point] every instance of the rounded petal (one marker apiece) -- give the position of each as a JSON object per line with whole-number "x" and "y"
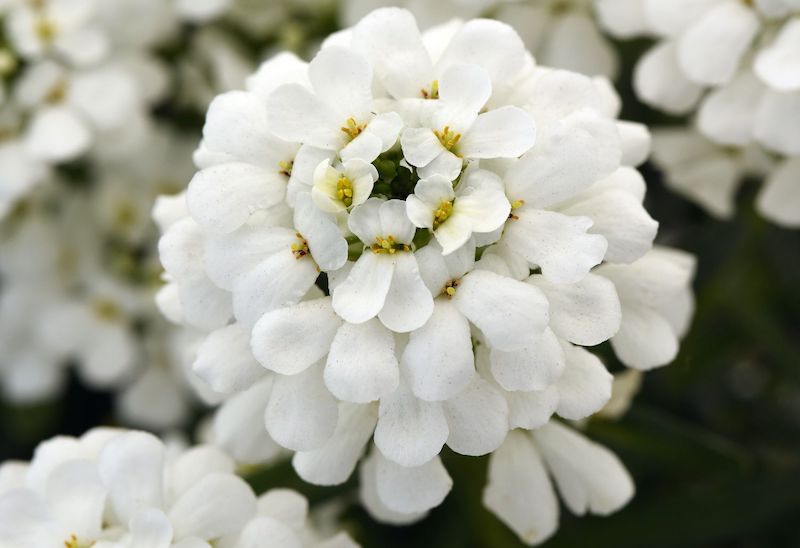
{"x": 438, "y": 357}
{"x": 411, "y": 490}
{"x": 585, "y": 386}
{"x": 217, "y": 505}
{"x": 477, "y": 419}
{"x": 410, "y": 431}
{"x": 505, "y": 132}
{"x": 362, "y": 366}
{"x": 519, "y": 492}
{"x": 535, "y": 366}
{"x": 408, "y": 303}
{"x": 301, "y": 414}
{"x": 224, "y": 360}
{"x": 508, "y": 312}
{"x": 289, "y": 340}
{"x": 363, "y": 294}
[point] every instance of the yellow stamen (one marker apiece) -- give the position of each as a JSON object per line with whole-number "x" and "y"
{"x": 433, "y": 93}
{"x": 57, "y": 93}
{"x": 344, "y": 191}
{"x": 388, "y": 245}
{"x": 352, "y": 129}
{"x": 516, "y": 204}
{"x": 45, "y": 29}
{"x": 286, "y": 168}
{"x": 448, "y": 137}
{"x": 449, "y": 289}
{"x": 442, "y": 213}
{"x": 106, "y": 309}
{"x": 300, "y": 248}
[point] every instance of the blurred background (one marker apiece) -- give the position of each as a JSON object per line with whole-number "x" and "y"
{"x": 712, "y": 441}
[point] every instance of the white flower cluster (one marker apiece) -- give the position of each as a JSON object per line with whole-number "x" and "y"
{"x": 127, "y": 489}
{"x": 411, "y": 240}
{"x": 736, "y": 66}
{"x": 79, "y": 274}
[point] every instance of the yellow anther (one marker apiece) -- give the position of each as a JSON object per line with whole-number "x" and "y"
{"x": 45, "y": 29}
{"x": 443, "y": 213}
{"x": 352, "y": 129}
{"x": 448, "y": 137}
{"x": 286, "y": 168}
{"x": 300, "y": 248}
{"x": 433, "y": 93}
{"x": 516, "y": 204}
{"x": 344, "y": 190}
{"x": 57, "y": 93}
{"x": 106, "y": 309}
{"x": 450, "y": 288}
{"x": 72, "y": 542}
{"x": 388, "y": 245}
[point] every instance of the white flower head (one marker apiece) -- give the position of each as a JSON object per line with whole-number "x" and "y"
{"x": 407, "y": 233}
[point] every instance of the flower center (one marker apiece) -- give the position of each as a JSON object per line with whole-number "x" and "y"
{"x": 45, "y": 29}
{"x": 516, "y": 204}
{"x": 286, "y": 168}
{"x": 388, "y": 245}
{"x": 443, "y": 212}
{"x": 352, "y": 128}
{"x": 432, "y": 93}
{"x": 57, "y": 92}
{"x": 344, "y": 190}
{"x": 300, "y": 248}
{"x": 448, "y": 137}
{"x": 450, "y": 288}
{"x": 106, "y": 309}
{"x": 72, "y": 542}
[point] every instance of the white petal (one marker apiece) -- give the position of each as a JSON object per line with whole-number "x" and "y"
{"x": 327, "y": 246}
{"x": 362, "y": 365}
{"x": 295, "y": 114}
{"x": 660, "y": 82}
{"x": 779, "y": 64}
{"x": 477, "y": 419}
{"x": 222, "y": 197}
{"x": 150, "y": 528}
{"x": 492, "y": 45}
{"x": 410, "y": 431}
{"x": 289, "y": 340}
{"x": 192, "y": 465}
{"x": 622, "y": 220}
{"x": 583, "y": 148}
{"x": 445, "y": 164}
{"x": 412, "y": 490}
{"x": 535, "y": 366}
{"x": 56, "y": 134}
{"x": 390, "y": 39}
{"x": 301, "y": 414}
{"x": 266, "y": 532}
{"x": 335, "y": 461}
{"x": 727, "y": 114}
{"x": 239, "y": 425}
{"x": 217, "y": 505}
{"x": 507, "y": 311}
{"x": 710, "y": 50}
{"x": 225, "y": 361}
{"x": 645, "y": 339}
{"x": 559, "y": 244}
{"x": 505, "y": 132}
{"x": 132, "y": 466}
{"x": 587, "y": 312}
{"x": 519, "y": 492}
{"x": 278, "y": 281}
{"x": 408, "y": 303}
{"x": 77, "y": 497}
{"x": 585, "y": 386}
{"x": 589, "y": 476}
{"x": 438, "y": 357}
{"x": 285, "y": 505}
{"x": 774, "y": 126}
{"x": 25, "y": 521}
{"x": 420, "y": 146}
{"x": 779, "y": 200}
{"x": 464, "y": 88}
{"x": 395, "y": 222}
{"x": 344, "y": 79}
{"x": 362, "y": 295}
{"x": 531, "y": 410}
{"x": 368, "y": 491}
